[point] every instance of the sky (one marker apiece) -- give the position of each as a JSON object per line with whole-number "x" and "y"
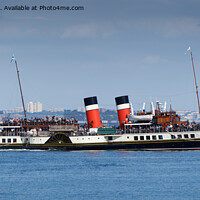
{"x": 109, "y": 49}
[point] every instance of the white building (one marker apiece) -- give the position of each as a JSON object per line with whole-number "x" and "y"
{"x": 81, "y": 109}
{"x": 33, "y": 107}
{"x": 56, "y": 110}
{"x": 16, "y": 110}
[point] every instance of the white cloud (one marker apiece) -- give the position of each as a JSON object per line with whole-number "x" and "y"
{"x": 31, "y": 31}
{"x": 178, "y": 27}
{"x": 16, "y": 31}
{"x": 167, "y": 27}
{"x": 32, "y": 18}
{"x": 81, "y": 30}
{"x": 88, "y": 30}
{"x": 154, "y": 59}
{"x": 21, "y": 26}
{"x": 10, "y": 31}
{"x": 4, "y": 49}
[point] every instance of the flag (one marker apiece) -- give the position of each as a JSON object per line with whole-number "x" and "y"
{"x": 189, "y": 48}
{"x": 12, "y": 59}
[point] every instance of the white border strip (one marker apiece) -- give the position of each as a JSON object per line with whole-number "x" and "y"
{"x": 123, "y": 106}
{"x": 92, "y": 107}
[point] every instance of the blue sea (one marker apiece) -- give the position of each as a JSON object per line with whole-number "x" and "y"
{"x": 98, "y": 175}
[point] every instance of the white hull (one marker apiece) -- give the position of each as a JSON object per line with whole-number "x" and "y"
{"x": 137, "y": 141}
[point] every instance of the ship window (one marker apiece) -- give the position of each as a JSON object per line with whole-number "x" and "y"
{"x": 154, "y": 137}
{"x": 148, "y": 137}
{"x": 3, "y": 140}
{"x": 82, "y": 138}
{"x": 110, "y": 138}
{"x": 141, "y": 137}
{"x": 135, "y": 137}
{"x": 192, "y": 135}
{"x": 14, "y": 140}
{"x": 9, "y": 140}
{"x": 173, "y": 136}
{"x": 160, "y": 137}
{"x": 127, "y": 137}
{"x": 186, "y": 136}
{"x": 179, "y": 136}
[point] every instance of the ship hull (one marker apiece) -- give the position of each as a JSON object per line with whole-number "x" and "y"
{"x": 159, "y": 146}
{"x": 136, "y": 142}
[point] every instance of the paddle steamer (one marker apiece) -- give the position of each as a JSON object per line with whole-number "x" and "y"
{"x": 155, "y": 130}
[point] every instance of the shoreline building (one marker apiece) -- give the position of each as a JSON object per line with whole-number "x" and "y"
{"x": 33, "y": 107}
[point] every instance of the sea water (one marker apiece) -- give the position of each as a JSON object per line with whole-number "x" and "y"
{"x": 99, "y": 175}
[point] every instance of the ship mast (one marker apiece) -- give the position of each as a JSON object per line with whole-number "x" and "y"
{"x": 20, "y": 86}
{"x": 195, "y": 80}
